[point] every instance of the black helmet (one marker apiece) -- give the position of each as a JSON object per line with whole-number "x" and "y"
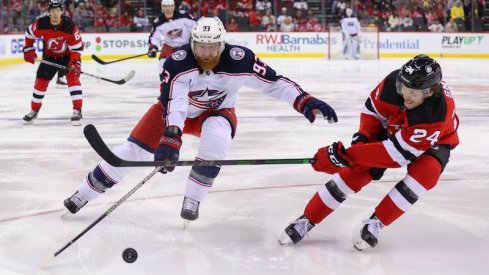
{"x": 420, "y": 73}
{"x": 55, "y": 4}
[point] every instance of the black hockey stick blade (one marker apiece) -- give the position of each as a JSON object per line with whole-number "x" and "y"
{"x": 101, "y": 148}
{"x": 100, "y": 61}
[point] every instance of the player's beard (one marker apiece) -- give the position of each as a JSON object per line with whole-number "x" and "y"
{"x": 209, "y": 64}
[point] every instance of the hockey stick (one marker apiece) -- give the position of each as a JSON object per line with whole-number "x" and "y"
{"x": 101, "y": 148}
{"x": 105, "y": 214}
{"x": 100, "y": 61}
{"x": 120, "y": 82}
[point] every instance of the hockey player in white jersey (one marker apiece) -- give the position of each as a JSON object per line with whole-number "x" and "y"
{"x": 199, "y": 91}
{"x": 352, "y": 35}
{"x": 170, "y": 31}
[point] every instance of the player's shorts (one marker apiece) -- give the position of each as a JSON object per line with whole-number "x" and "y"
{"x": 46, "y": 71}
{"x": 148, "y": 131}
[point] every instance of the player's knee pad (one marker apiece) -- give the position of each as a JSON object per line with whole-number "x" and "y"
{"x": 204, "y": 175}
{"x": 425, "y": 170}
{"x": 215, "y": 139}
{"x": 41, "y": 84}
{"x": 72, "y": 80}
{"x": 354, "y": 179}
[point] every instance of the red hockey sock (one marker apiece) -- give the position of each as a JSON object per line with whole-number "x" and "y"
{"x": 316, "y": 210}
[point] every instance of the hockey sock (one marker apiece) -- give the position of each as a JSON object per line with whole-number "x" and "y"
{"x": 40, "y": 87}
{"x": 200, "y": 181}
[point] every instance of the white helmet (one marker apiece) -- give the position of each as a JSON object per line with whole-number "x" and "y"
{"x": 348, "y": 12}
{"x": 209, "y": 30}
{"x": 167, "y": 3}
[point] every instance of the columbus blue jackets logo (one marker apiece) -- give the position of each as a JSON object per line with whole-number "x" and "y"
{"x": 207, "y": 99}
{"x": 179, "y": 55}
{"x": 176, "y": 33}
{"x": 237, "y": 53}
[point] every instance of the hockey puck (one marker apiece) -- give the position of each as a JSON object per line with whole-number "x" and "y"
{"x": 130, "y": 255}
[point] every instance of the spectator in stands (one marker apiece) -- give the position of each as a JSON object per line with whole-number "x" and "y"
{"x": 255, "y": 20}
{"x": 451, "y": 26}
{"x": 70, "y": 10}
{"x": 301, "y": 5}
{"x": 100, "y": 20}
{"x": 125, "y": 21}
{"x": 282, "y": 16}
{"x": 407, "y": 22}
{"x": 440, "y": 13}
{"x": 113, "y": 20}
{"x": 269, "y": 22}
{"x": 140, "y": 22}
{"x": 287, "y": 25}
{"x": 394, "y": 22}
{"x": 457, "y": 11}
{"x": 263, "y": 5}
{"x": 232, "y": 26}
{"x": 436, "y": 26}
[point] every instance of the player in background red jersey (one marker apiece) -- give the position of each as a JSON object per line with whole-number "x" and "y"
{"x": 62, "y": 44}
{"x": 408, "y": 120}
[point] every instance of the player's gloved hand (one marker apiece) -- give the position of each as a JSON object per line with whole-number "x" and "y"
{"x": 30, "y": 54}
{"x": 331, "y": 159}
{"x": 169, "y": 147}
{"x": 359, "y": 138}
{"x": 309, "y": 106}
{"x": 152, "y": 50}
{"x": 75, "y": 66}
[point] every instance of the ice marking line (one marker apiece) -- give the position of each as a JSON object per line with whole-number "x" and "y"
{"x": 46, "y": 212}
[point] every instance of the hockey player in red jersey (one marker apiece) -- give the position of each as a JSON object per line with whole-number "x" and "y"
{"x": 408, "y": 120}
{"x": 62, "y": 44}
{"x": 198, "y": 97}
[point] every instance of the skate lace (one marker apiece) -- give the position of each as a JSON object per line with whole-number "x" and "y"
{"x": 191, "y": 204}
{"x": 374, "y": 226}
{"x": 302, "y": 226}
{"x": 78, "y": 201}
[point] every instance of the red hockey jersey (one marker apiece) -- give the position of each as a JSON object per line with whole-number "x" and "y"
{"x": 60, "y": 40}
{"x": 410, "y": 132}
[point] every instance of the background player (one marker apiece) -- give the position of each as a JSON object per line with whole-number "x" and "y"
{"x": 62, "y": 44}
{"x": 352, "y": 35}
{"x": 198, "y": 95}
{"x": 170, "y": 30}
{"x": 408, "y": 120}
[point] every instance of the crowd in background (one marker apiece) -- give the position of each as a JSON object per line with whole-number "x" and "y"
{"x": 257, "y": 15}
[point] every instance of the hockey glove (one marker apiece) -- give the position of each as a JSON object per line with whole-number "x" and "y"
{"x": 75, "y": 67}
{"x": 309, "y": 106}
{"x": 30, "y": 54}
{"x": 169, "y": 147}
{"x": 152, "y": 50}
{"x": 331, "y": 159}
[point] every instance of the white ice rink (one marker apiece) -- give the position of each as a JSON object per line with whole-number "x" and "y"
{"x": 446, "y": 232}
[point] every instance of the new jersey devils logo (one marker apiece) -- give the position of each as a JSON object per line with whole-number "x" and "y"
{"x": 57, "y": 45}
{"x": 207, "y": 99}
{"x": 176, "y": 33}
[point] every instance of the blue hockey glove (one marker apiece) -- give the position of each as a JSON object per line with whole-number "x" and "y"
{"x": 169, "y": 147}
{"x": 309, "y": 106}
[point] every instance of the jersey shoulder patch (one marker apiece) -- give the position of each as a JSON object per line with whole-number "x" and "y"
{"x": 237, "y": 53}
{"x": 179, "y": 55}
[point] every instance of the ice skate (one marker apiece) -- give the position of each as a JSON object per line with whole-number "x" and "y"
{"x": 190, "y": 211}
{"x": 369, "y": 235}
{"x": 29, "y": 118}
{"x": 61, "y": 82}
{"x": 76, "y": 118}
{"x": 296, "y": 231}
{"x": 75, "y": 203}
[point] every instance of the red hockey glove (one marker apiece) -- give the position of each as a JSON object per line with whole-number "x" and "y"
{"x": 309, "y": 106}
{"x": 169, "y": 147}
{"x": 152, "y": 50}
{"x": 75, "y": 67}
{"x": 331, "y": 159}
{"x": 30, "y": 54}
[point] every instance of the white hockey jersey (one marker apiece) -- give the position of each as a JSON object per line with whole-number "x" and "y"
{"x": 186, "y": 91}
{"x": 174, "y": 32}
{"x": 350, "y": 25}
